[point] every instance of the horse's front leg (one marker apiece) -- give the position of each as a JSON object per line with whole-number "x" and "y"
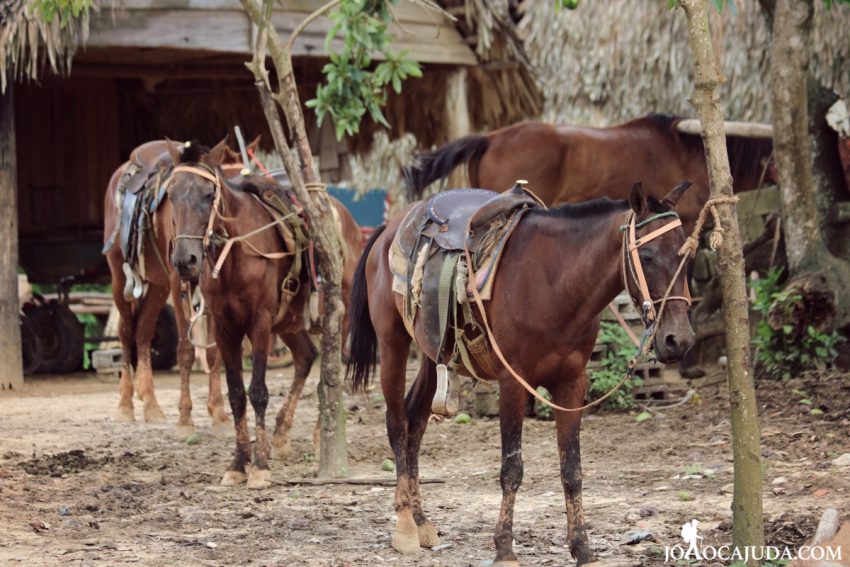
{"x": 570, "y": 393}
{"x": 230, "y": 345}
{"x": 260, "y": 475}
{"x": 512, "y": 400}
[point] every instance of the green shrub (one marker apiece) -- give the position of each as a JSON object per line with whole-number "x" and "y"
{"x": 613, "y": 365}
{"x": 790, "y": 349}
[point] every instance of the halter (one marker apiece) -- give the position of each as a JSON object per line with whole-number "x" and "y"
{"x": 214, "y": 177}
{"x": 631, "y": 258}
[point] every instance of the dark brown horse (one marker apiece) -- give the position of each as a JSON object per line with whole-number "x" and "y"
{"x": 569, "y": 164}
{"x": 245, "y": 299}
{"x": 559, "y": 269}
{"x": 138, "y": 317}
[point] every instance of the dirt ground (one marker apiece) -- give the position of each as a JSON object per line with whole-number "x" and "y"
{"x": 77, "y": 487}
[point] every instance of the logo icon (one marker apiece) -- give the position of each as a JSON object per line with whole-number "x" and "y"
{"x": 691, "y": 537}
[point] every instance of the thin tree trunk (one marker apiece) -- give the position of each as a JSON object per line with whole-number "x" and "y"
{"x": 748, "y": 528}
{"x": 333, "y": 459}
{"x": 10, "y": 322}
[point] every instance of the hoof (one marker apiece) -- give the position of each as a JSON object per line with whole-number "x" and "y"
{"x": 183, "y": 430}
{"x": 594, "y": 563}
{"x": 428, "y": 535}
{"x": 153, "y": 414}
{"x": 259, "y": 479}
{"x": 233, "y": 478}
{"x": 125, "y": 414}
{"x": 513, "y": 563}
{"x": 281, "y": 450}
{"x": 406, "y": 536}
{"x": 406, "y": 543}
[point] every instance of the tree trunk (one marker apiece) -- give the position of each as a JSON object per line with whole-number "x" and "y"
{"x": 813, "y": 268}
{"x": 748, "y": 528}
{"x": 11, "y": 377}
{"x": 333, "y": 460}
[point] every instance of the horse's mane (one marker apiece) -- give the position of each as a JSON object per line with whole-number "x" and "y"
{"x": 745, "y": 154}
{"x": 193, "y": 152}
{"x": 596, "y": 207}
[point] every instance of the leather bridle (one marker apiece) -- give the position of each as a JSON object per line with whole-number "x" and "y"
{"x": 632, "y": 266}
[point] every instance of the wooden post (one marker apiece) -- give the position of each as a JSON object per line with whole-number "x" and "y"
{"x": 11, "y": 375}
{"x": 457, "y": 120}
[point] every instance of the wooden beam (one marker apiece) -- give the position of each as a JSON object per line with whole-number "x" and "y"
{"x": 692, "y": 127}
{"x": 11, "y": 375}
{"x": 458, "y": 121}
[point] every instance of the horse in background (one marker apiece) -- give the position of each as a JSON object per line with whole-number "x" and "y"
{"x": 568, "y": 164}
{"x": 256, "y": 287}
{"x": 138, "y": 316}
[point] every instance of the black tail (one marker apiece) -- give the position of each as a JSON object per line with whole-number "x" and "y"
{"x": 435, "y": 165}
{"x": 364, "y": 342}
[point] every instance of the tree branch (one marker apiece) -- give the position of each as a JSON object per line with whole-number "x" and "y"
{"x": 307, "y": 21}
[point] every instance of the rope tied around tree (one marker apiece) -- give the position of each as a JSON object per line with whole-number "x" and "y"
{"x": 690, "y": 246}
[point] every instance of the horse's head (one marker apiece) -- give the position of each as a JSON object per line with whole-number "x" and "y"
{"x": 194, "y": 190}
{"x": 653, "y": 270}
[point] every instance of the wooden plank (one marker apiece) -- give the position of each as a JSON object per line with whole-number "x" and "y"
{"x": 11, "y": 377}
{"x": 229, "y": 31}
{"x": 406, "y": 12}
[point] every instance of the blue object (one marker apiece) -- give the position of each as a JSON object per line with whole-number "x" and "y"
{"x": 367, "y": 210}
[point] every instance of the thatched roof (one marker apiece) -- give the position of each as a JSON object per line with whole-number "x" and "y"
{"x": 608, "y": 62}
{"x": 508, "y": 87}
{"x": 28, "y": 44}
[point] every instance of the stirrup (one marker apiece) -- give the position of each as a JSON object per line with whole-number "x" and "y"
{"x": 129, "y": 281}
{"x": 446, "y": 401}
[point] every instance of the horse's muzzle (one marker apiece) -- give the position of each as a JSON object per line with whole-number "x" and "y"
{"x": 186, "y": 259}
{"x": 672, "y": 345}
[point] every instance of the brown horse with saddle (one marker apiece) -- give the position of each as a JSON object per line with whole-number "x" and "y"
{"x": 569, "y": 164}
{"x": 498, "y": 287}
{"x": 137, "y": 232}
{"x": 247, "y": 244}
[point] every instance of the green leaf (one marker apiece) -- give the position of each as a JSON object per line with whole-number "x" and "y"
{"x": 643, "y": 416}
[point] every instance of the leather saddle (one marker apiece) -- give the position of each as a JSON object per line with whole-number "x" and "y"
{"x": 427, "y": 254}
{"x": 139, "y": 193}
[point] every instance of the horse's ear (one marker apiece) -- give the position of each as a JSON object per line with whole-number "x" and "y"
{"x": 217, "y": 155}
{"x": 637, "y": 200}
{"x": 673, "y": 196}
{"x": 173, "y": 151}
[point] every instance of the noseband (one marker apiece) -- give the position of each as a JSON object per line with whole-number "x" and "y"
{"x": 631, "y": 263}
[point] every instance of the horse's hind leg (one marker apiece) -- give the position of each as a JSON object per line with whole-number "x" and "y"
{"x": 570, "y": 393}
{"x": 147, "y": 316}
{"x": 231, "y": 354}
{"x": 393, "y": 365}
{"x": 185, "y": 358}
{"x": 215, "y": 401}
{"x": 418, "y": 407}
{"x": 512, "y": 398}
{"x": 126, "y": 335}
{"x": 303, "y": 355}
{"x": 261, "y": 335}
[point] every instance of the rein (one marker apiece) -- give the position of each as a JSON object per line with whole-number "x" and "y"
{"x": 630, "y": 243}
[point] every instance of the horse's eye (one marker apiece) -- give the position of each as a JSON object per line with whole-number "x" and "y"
{"x": 208, "y": 198}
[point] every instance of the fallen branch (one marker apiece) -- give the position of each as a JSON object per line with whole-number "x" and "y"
{"x": 375, "y": 481}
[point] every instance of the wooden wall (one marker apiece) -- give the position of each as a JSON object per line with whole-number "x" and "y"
{"x": 67, "y": 148}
